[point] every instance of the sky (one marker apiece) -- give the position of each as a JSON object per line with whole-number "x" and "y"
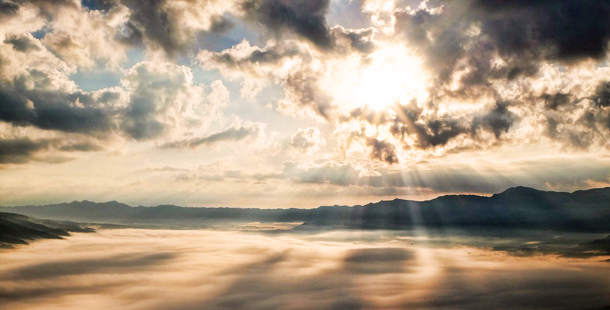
{"x": 288, "y": 103}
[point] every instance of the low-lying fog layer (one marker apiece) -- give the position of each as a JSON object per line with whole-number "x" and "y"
{"x": 205, "y": 269}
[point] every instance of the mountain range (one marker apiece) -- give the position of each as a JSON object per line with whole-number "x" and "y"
{"x": 517, "y": 207}
{"x": 19, "y": 229}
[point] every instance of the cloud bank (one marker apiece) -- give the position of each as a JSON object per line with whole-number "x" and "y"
{"x": 335, "y": 270}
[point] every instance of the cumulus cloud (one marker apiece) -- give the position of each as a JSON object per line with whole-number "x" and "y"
{"x": 521, "y": 33}
{"x": 76, "y": 112}
{"x": 304, "y": 18}
{"x": 486, "y": 51}
{"x": 162, "y": 98}
{"x": 483, "y": 88}
{"x": 252, "y": 61}
{"x": 498, "y": 120}
{"x": 173, "y": 26}
{"x": 156, "y": 98}
{"x": 289, "y": 63}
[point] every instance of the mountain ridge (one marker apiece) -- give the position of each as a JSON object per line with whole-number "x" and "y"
{"x": 18, "y": 229}
{"x": 516, "y": 207}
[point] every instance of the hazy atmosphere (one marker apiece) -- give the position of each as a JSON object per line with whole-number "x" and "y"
{"x": 304, "y": 154}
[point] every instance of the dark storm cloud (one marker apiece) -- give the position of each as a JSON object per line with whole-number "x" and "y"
{"x": 592, "y": 120}
{"x": 304, "y": 88}
{"x": 522, "y": 32}
{"x": 305, "y": 18}
{"x": 140, "y": 119}
{"x": 498, "y": 120}
{"x": 101, "y": 5}
{"x": 231, "y": 134}
{"x": 597, "y": 247}
{"x": 435, "y": 130}
{"x": 152, "y": 22}
{"x": 81, "y": 147}
{"x": 557, "y": 100}
{"x": 469, "y": 36}
{"x": 359, "y": 40}
{"x": 382, "y": 150}
{"x": 602, "y": 95}
{"x": 563, "y": 30}
{"x": 428, "y": 132}
{"x": 131, "y": 35}
{"x": 23, "y": 150}
{"x": 22, "y": 44}
{"x": 442, "y": 52}
{"x": 149, "y": 20}
{"x": 18, "y": 151}
{"x": 54, "y": 111}
{"x": 8, "y": 8}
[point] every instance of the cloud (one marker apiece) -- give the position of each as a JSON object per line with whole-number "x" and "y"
{"x": 378, "y": 261}
{"x": 174, "y": 26}
{"x": 252, "y": 61}
{"x": 563, "y": 30}
{"x": 111, "y": 264}
{"x": 156, "y": 99}
{"x": 382, "y": 150}
{"x": 287, "y": 62}
{"x": 498, "y": 120}
{"x": 359, "y": 40}
{"x": 23, "y": 150}
{"x": 307, "y": 139}
{"x": 19, "y": 151}
{"x": 76, "y": 112}
{"x": 85, "y": 37}
{"x": 521, "y": 33}
{"x": 22, "y": 44}
{"x": 336, "y": 173}
{"x": 304, "y": 18}
{"x": 229, "y": 134}
{"x": 330, "y": 270}
{"x": 162, "y": 98}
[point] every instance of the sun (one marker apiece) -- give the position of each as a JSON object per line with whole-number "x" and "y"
{"x": 390, "y": 75}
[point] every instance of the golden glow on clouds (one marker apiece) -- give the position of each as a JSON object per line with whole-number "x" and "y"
{"x": 323, "y": 100}
{"x": 140, "y": 269}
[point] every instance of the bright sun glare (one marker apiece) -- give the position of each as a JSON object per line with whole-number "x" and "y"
{"x": 391, "y": 74}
